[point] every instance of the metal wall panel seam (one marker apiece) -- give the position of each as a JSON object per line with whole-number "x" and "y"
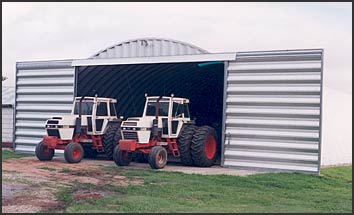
{"x": 14, "y": 111}
{"x": 320, "y": 120}
{"x": 223, "y": 137}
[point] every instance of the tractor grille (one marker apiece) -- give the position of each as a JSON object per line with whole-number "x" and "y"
{"x": 127, "y": 135}
{"x": 53, "y": 132}
{"x": 130, "y": 124}
{"x": 52, "y": 122}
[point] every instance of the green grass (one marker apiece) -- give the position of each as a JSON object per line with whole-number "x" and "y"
{"x": 48, "y": 168}
{"x": 7, "y": 154}
{"x": 178, "y": 192}
{"x": 65, "y": 170}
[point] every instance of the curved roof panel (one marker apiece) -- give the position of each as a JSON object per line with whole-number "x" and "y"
{"x": 149, "y": 47}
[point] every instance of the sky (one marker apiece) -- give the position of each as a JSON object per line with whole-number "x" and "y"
{"x": 46, "y": 31}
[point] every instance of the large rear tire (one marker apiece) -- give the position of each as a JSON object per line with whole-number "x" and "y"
{"x": 184, "y": 142}
{"x": 203, "y": 147}
{"x": 73, "y": 152}
{"x": 121, "y": 158}
{"x": 43, "y": 153}
{"x": 158, "y": 157}
{"x": 110, "y": 139}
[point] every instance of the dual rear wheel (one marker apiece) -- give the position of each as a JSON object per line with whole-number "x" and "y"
{"x": 197, "y": 145}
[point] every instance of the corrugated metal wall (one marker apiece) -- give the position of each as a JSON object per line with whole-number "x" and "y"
{"x": 273, "y": 110}
{"x": 43, "y": 89}
{"x": 7, "y": 124}
{"x": 149, "y": 47}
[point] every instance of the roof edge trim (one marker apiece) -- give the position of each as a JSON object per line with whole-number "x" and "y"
{"x": 161, "y": 59}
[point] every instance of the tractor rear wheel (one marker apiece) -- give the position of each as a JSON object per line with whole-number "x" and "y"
{"x": 158, "y": 157}
{"x": 73, "y": 152}
{"x": 43, "y": 153}
{"x": 184, "y": 142}
{"x": 110, "y": 139}
{"x": 89, "y": 152}
{"x": 203, "y": 147}
{"x": 121, "y": 158}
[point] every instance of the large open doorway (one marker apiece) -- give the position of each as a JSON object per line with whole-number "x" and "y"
{"x": 201, "y": 82}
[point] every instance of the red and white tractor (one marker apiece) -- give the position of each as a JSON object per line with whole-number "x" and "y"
{"x": 92, "y": 127}
{"x": 166, "y": 128}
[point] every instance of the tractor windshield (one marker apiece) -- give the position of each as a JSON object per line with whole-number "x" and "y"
{"x": 87, "y": 107}
{"x": 163, "y": 108}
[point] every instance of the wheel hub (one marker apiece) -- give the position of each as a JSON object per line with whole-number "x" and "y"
{"x": 210, "y": 147}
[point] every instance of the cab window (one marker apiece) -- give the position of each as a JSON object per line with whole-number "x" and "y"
{"x": 177, "y": 109}
{"x": 163, "y": 109}
{"x": 101, "y": 109}
{"x": 86, "y": 107}
{"x": 112, "y": 109}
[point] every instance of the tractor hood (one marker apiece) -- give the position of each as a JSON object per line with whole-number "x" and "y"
{"x": 139, "y": 122}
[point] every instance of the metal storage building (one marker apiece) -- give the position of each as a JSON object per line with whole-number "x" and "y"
{"x": 8, "y": 100}
{"x": 265, "y": 105}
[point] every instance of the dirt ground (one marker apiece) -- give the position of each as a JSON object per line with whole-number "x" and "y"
{"x": 28, "y": 185}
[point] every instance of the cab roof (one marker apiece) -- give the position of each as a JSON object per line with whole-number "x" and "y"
{"x": 167, "y": 98}
{"x": 101, "y": 99}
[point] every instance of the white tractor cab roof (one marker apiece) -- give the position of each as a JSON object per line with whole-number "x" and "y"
{"x": 165, "y": 105}
{"x": 167, "y": 99}
{"x": 88, "y": 105}
{"x": 99, "y": 99}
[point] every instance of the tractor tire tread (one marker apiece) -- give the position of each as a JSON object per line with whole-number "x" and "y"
{"x": 110, "y": 139}
{"x": 152, "y": 157}
{"x": 197, "y": 147}
{"x": 40, "y": 155}
{"x": 184, "y": 142}
{"x": 68, "y": 152}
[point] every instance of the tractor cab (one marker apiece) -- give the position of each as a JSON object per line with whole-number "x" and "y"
{"x": 172, "y": 113}
{"x": 89, "y": 115}
{"x": 168, "y": 113}
{"x": 95, "y": 112}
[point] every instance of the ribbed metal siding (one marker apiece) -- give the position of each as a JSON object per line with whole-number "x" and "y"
{"x": 273, "y": 110}
{"x": 148, "y": 47}
{"x": 43, "y": 89}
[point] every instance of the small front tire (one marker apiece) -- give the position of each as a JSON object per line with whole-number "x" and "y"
{"x": 121, "y": 158}
{"x": 73, "y": 152}
{"x": 158, "y": 157}
{"x": 43, "y": 153}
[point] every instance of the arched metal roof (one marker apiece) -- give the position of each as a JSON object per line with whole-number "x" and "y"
{"x": 148, "y": 47}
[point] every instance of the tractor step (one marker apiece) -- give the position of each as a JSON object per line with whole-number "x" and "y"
{"x": 162, "y": 143}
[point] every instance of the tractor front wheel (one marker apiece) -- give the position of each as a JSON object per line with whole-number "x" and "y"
{"x": 158, "y": 157}
{"x": 43, "y": 153}
{"x": 203, "y": 147}
{"x": 121, "y": 158}
{"x": 73, "y": 152}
